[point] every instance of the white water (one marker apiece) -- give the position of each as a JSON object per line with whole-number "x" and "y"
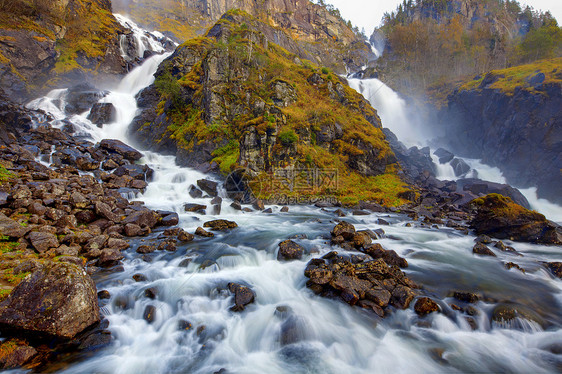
{"x": 331, "y": 337}
{"x": 144, "y": 40}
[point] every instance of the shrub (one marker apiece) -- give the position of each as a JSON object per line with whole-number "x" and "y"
{"x": 288, "y": 137}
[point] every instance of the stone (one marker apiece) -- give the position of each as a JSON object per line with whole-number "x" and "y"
{"x": 104, "y": 294}
{"x": 208, "y": 186}
{"x": 289, "y": 250}
{"x": 102, "y": 113}
{"x": 109, "y": 257}
{"x": 389, "y": 256}
{"x": 9, "y": 227}
{"x": 170, "y": 219}
{"x": 184, "y": 236}
{"x": 284, "y": 209}
{"x": 104, "y": 210}
{"x": 482, "y": 249}
{"x": 146, "y": 248}
{"x": 467, "y": 297}
{"x": 424, "y": 306}
{"x": 555, "y": 268}
{"x": 149, "y": 314}
{"x": 132, "y": 230}
{"x": 151, "y": 293}
{"x": 258, "y": 205}
{"x": 143, "y": 218}
{"x": 117, "y": 146}
{"x": 220, "y": 224}
{"x": 15, "y": 353}
{"x": 43, "y": 241}
{"x": 344, "y": 229}
{"x": 62, "y": 289}
{"x": 118, "y": 244}
{"x": 195, "y": 208}
{"x": 167, "y": 245}
{"x": 379, "y": 296}
{"x": 402, "y": 296}
{"x": 139, "y": 277}
{"x": 195, "y": 192}
{"x": 361, "y": 240}
{"x": 499, "y": 217}
{"x": 460, "y": 167}
{"x": 444, "y": 155}
{"x": 202, "y": 232}
{"x": 243, "y": 296}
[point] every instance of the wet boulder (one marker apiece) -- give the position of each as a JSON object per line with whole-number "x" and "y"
{"x": 82, "y": 97}
{"x": 169, "y": 218}
{"x": 143, "y": 218}
{"x": 139, "y": 172}
{"x": 243, "y": 296}
{"x": 202, "y": 232}
{"x": 389, "y": 256}
{"x": 424, "y": 306}
{"x": 479, "y": 187}
{"x": 102, "y": 113}
{"x": 195, "y": 208}
{"x": 9, "y": 227}
{"x": 499, "y": 217}
{"x": 220, "y": 224}
{"x": 117, "y": 146}
{"x": 289, "y": 250}
{"x": 555, "y": 268}
{"x": 43, "y": 241}
{"x": 460, "y": 167}
{"x": 444, "y": 155}
{"x": 208, "y": 186}
{"x": 345, "y": 230}
{"x": 482, "y": 249}
{"x": 58, "y": 299}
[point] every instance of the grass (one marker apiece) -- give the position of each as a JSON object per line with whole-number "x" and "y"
{"x": 510, "y": 79}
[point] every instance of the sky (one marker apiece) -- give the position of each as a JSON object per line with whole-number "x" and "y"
{"x": 368, "y": 13}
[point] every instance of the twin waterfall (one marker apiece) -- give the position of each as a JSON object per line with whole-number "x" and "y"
{"x": 289, "y": 329}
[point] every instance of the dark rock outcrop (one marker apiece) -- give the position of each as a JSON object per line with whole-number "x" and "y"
{"x": 289, "y": 250}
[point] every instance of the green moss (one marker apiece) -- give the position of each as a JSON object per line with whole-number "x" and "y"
{"x": 288, "y": 137}
{"x": 503, "y": 206}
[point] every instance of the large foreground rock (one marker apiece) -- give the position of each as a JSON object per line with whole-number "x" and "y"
{"x": 501, "y": 218}
{"x": 58, "y": 299}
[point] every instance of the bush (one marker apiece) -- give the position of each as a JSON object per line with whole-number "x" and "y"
{"x": 288, "y": 137}
{"x": 325, "y": 71}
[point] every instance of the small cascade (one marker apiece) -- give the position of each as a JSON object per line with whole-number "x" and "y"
{"x": 144, "y": 40}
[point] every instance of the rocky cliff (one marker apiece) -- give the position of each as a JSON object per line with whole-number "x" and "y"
{"x": 237, "y": 99}
{"x": 320, "y": 33}
{"x": 49, "y": 43}
{"x": 512, "y": 119}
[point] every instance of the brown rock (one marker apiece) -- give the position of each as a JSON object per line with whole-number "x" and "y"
{"x": 146, "y": 248}
{"x": 482, "y": 249}
{"x": 11, "y": 228}
{"x": 402, "y": 296}
{"x": 424, "y": 305}
{"x": 379, "y": 296}
{"x": 195, "y": 208}
{"x": 167, "y": 245}
{"x": 555, "y": 268}
{"x": 59, "y": 299}
{"x": 243, "y": 296}
{"x": 143, "y": 218}
{"x": 132, "y": 230}
{"x": 79, "y": 201}
{"x": 118, "y": 244}
{"x": 376, "y": 251}
{"x": 184, "y": 236}
{"x": 220, "y": 224}
{"x": 344, "y": 229}
{"x": 15, "y": 353}
{"x": 104, "y": 210}
{"x": 43, "y": 241}
{"x": 109, "y": 257}
{"x": 289, "y": 250}
{"x": 201, "y": 232}
{"x": 467, "y": 297}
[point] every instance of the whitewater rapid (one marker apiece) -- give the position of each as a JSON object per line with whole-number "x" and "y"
{"x": 326, "y": 336}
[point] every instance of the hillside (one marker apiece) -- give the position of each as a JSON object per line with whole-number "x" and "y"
{"x": 320, "y": 33}
{"x": 431, "y": 43}
{"x": 237, "y": 99}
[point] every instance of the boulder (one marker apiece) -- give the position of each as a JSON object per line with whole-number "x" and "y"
{"x": 424, "y": 305}
{"x": 117, "y": 146}
{"x": 143, "y": 218}
{"x": 102, "y": 113}
{"x": 82, "y": 97}
{"x": 9, "y": 227}
{"x": 104, "y": 210}
{"x": 169, "y": 218}
{"x": 389, "y": 256}
{"x": 460, "y": 167}
{"x": 444, "y": 155}
{"x": 195, "y": 192}
{"x": 480, "y": 187}
{"x": 43, "y": 241}
{"x": 243, "y": 296}
{"x": 139, "y": 172}
{"x": 202, "y": 232}
{"x": 220, "y": 224}
{"x": 482, "y": 249}
{"x": 195, "y": 208}
{"x": 208, "y": 186}
{"x": 289, "y": 250}
{"x": 58, "y": 299}
{"x": 555, "y": 268}
{"x": 499, "y": 217}
{"x": 345, "y": 230}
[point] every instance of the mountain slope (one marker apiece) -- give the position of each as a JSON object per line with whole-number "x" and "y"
{"x": 321, "y": 34}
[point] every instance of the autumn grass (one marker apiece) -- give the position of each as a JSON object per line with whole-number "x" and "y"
{"x": 510, "y": 79}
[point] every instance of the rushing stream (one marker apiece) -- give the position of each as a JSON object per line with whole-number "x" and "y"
{"x": 289, "y": 329}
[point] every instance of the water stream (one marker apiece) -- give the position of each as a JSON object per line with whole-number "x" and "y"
{"x": 289, "y": 329}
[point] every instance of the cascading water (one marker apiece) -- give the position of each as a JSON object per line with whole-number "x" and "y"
{"x": 289, "y": 329}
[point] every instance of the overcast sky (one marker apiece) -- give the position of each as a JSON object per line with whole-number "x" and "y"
{"x": 368, "y": 13}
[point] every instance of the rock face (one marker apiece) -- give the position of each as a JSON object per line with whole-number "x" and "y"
{"x": 500, "y": 217}
{"x": 520, "y": 132}
{"x": 58, "y": 299}
{"x": 321, "y": 35}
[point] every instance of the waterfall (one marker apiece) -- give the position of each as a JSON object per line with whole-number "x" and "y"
{"x": 289, "y": 329}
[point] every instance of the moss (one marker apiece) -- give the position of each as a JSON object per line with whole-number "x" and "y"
{"x": 288, "y": 137}
{"x": 502, "y": 206}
